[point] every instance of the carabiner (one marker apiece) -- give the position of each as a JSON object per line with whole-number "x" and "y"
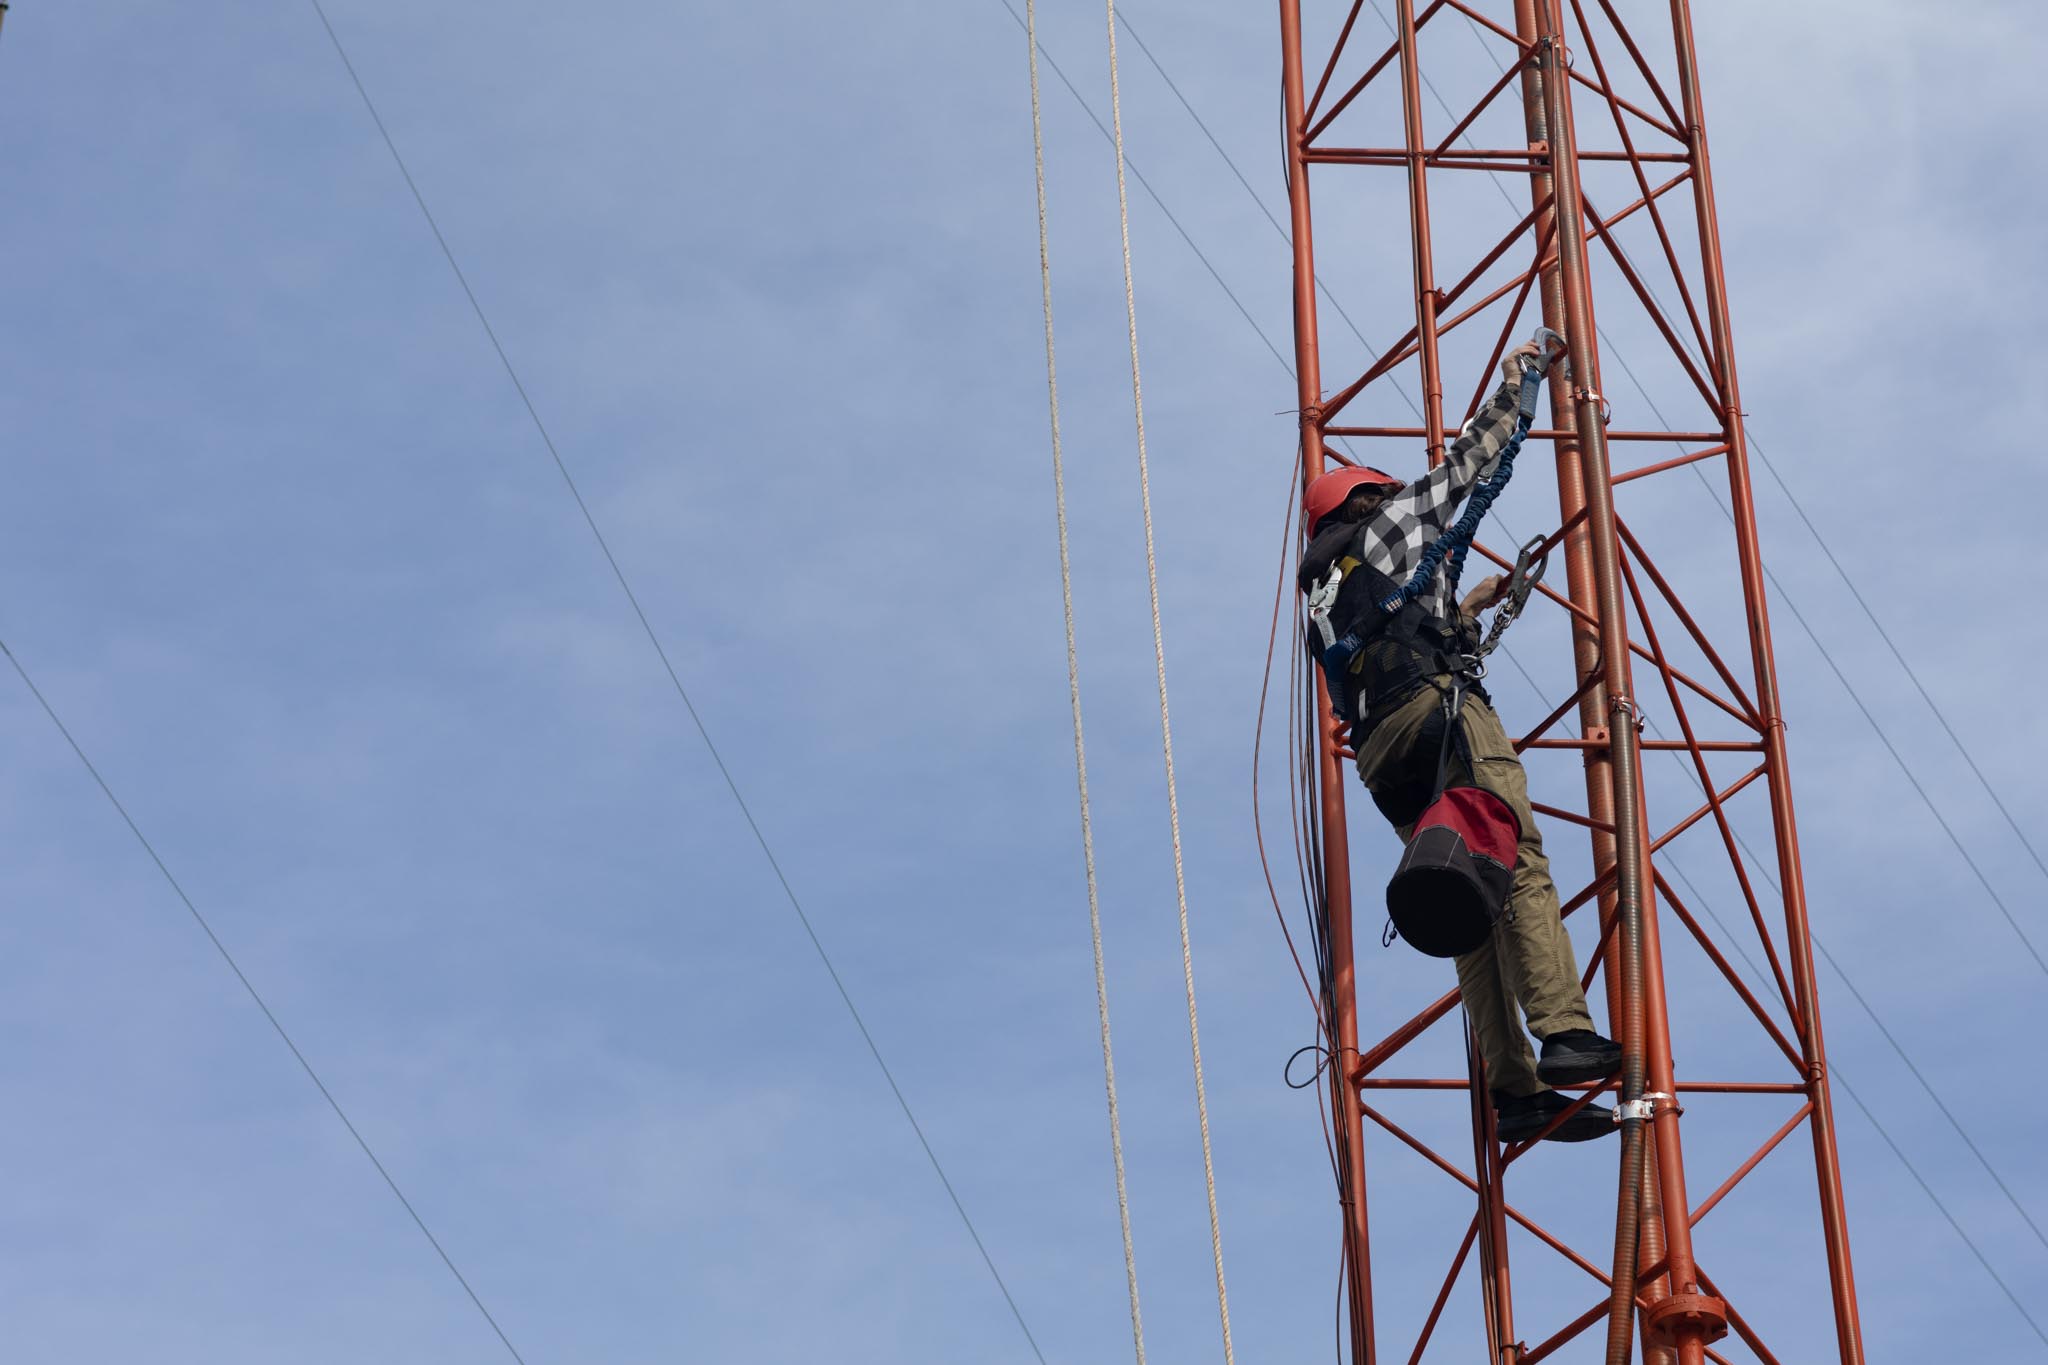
{"x": 1544, "y": 339}
{"x": 1526, "y": 575}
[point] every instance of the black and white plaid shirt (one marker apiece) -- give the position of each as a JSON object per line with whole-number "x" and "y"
{"x": 1393, "y": 538}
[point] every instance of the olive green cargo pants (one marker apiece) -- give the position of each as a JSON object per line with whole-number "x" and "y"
{"x": 1529, "y": 959}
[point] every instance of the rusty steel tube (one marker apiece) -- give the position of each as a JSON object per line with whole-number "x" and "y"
{"x": 1827, "y": 1163}
{"x": 1426, "y": 297}
{"x": 1630, "y": 1245}
{"x": 1647, "y": 1062}
{"x": 1576, "y": 545}
{"x": 1329, "y": 770}
{"x": 1586, "y": 648}
{"x": 1650, "y": 1249}
{"x": 1497, "y": 1297}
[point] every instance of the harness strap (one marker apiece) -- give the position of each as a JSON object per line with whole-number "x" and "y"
{"x": 1435, "y": 656}
{"x": 1454, "y": 709}
{"x": 1320, "y": 601}
{"x": 1334, "y": 654}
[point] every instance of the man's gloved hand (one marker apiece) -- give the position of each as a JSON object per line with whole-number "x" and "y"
{"x": 1517, "y": 360}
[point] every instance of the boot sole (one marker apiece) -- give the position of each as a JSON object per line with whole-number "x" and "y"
{"x": 1578, "y": 1128}
{"x": 1585, "y": 1130}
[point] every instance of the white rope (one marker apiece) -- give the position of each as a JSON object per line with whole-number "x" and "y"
{"x": 1180, "y": 883}
{"x": 1059, "y": 488}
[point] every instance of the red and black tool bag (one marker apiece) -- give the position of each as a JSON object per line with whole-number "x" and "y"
{"x": 1452, "y": 885}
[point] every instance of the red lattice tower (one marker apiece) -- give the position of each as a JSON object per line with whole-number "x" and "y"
{"x": 1635, "y": 634}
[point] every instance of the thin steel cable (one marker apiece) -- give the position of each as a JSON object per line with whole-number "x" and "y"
{"x": 1939, "y": 1103}
{"x": 1928, "y": 1190}
{"x": 1289, "y": 539}
{"x": 1323, "y": 289}
{"x": 1124, "y": 17}
{"x": 1059, "y": 488}
{"x": 1885, "y": 635}
{"x": 1180, "y": 882}
{"x": 675, "y": 680}
{"x": 261, "y": 1004}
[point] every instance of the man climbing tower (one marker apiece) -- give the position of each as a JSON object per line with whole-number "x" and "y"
{"x": 1404, "y": 679}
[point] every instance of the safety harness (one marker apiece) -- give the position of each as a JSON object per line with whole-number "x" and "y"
{"x": 1386, "y": 654}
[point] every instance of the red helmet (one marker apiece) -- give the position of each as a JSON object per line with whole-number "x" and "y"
{"x": 1327, "y": 492}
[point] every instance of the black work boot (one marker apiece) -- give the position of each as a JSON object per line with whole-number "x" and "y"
{"x": 1517, "y": 1118}
{"x": 1578, "y": 1054}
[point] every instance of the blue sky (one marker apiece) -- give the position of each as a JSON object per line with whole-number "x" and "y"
{"x": 284, "y": 550}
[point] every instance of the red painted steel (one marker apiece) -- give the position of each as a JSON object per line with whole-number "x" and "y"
{"x": 1343, "y": 1000}
{"x": 1568, "y": 59}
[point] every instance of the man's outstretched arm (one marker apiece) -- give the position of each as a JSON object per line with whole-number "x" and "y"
{"x": 1471, "y": 457}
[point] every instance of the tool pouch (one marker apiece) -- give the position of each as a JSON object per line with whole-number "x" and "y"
{"x": 1452, "y": 885}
